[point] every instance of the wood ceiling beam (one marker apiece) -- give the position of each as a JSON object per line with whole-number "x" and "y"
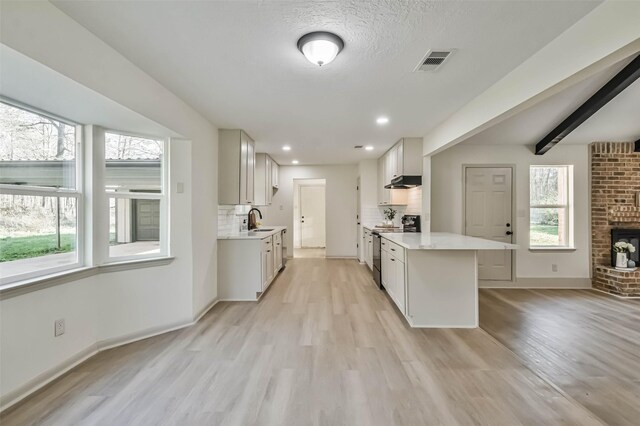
{"x": 615, "y": 86}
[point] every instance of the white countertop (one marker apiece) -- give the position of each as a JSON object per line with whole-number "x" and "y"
{"x": 444, "y": 241}
{"x": 252, "y": 235}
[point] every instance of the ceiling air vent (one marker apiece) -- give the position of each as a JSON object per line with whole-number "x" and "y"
{"x": 433, "y": 60}
{"x": 358, "y": 147}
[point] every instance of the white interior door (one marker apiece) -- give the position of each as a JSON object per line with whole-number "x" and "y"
{"x": 312, "y": 216}
{"x": 488, "y": 207}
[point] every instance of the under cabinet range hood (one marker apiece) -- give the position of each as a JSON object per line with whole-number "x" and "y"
{"x": 404, "y": 182}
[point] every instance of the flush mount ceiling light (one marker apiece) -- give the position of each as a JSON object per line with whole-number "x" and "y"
{"x": 286, "y": 148}
{"x": 382, "y": 120}
{"x": 295, "y": 162}
{"x": 368, "y": 148}
{"x": 320, "y": 47}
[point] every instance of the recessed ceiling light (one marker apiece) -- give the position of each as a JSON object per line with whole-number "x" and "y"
{"x": 286, "y": 148}
{"x": 295, "y": 162}
{"x": 382, "y": 120}
{"x": 320, "y": 47}
{"x": 368, "y": 148}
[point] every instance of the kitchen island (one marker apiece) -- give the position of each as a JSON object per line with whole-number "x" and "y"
{"x": 433, "y": 277}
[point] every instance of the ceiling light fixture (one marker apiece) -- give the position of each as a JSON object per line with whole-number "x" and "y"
{"x": 320, "y": 47}
{"x": 286, "y": 148}
{"x": 382, "y": 120}
{"x": 368, "y": 148}
{"x": 295, "y": 162}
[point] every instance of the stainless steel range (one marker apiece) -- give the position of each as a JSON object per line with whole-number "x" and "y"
{"x": 410, "y": 223}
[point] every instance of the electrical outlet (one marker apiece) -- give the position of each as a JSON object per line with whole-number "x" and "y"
{"x": 554, "y": 267}
{"x": 58, "y": 327}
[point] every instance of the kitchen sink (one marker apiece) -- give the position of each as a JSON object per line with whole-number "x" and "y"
{"x": 261, "y": 230}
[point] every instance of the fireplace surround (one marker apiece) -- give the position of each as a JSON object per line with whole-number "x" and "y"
{"x": 615, "y": 214}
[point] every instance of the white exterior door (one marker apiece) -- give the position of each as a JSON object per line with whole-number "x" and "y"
{"x": 312, "y": 216}
{"x": 488, "y": 207}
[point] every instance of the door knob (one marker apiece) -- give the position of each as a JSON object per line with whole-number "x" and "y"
{"x": 509, "y": 233}
{"x": 508, "y": 225}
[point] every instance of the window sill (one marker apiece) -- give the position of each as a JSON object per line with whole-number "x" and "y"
{"x": 551, "y": 249}
{"x": 39, "y": 283}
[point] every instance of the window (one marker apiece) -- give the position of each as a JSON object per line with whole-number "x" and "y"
{"x": 40, "y": 193}
{"x": 551, "y": 207}
{"x": 135, "y": 188}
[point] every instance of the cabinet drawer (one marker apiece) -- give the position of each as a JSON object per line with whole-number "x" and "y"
{"x": 395, "y": 250}
{"x": 384, "y": 244}
{"x": 277, "y": 238}
{"x": 267, "y": 243}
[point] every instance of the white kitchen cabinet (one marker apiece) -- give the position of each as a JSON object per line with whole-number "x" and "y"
{"x": 389, "y": 197}
{"x": 248, "y": 265}
{"x": 367, "y": 247}
{"x": 236, "y": 160}
{"x": 277, "y": 248}
{"x": 393, "y": 272}
{"x": 275, "y": 175}
{"x": 264, "y": 180}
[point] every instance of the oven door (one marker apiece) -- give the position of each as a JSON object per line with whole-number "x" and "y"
{"x": 377, "y": 259}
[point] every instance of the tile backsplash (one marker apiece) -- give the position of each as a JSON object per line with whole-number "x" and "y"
{"x": 373, "y": 215}
{"x": 230, "y": 218}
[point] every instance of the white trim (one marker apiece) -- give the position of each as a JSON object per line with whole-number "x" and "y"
{"x": 43, "y": 379}
{"x": 551, "y": 248}
{"x": 45, "y": 281}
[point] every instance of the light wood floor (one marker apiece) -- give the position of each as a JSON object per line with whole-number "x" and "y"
{"x": 585, "y": 342}
{"x": 325, "y": 347}
{"x": 309, "y": 252}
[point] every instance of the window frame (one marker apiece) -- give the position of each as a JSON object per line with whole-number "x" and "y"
{"x": 41, "y": 191}
{"x": 162, "y": 196}
{"x": 569, "y": 208}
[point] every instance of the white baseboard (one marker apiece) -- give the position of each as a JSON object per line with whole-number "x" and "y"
{"x": 539, "y": 283}
{"x": 43, "y": 379}
{"x": 53, "y": 373}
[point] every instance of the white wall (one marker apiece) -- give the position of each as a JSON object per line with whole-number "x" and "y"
{"x": 340, "y": 201}
{"x": 447, "y": 194}
{"x": 118, "y": 304}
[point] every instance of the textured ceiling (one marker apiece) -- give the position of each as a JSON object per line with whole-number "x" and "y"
{"x": 618, "y": 120}
{"x": 237, "y": 62}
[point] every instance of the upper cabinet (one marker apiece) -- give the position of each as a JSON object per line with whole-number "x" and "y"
{"x": 404, "y": 159}
{"x": 275, "y": 175}
{"x": 236, "y": 167}
{"x": 266, "y": 170}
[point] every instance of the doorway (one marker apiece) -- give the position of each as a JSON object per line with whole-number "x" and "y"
{"x": 488, "y": 213}
{"x": 309, "y": 212}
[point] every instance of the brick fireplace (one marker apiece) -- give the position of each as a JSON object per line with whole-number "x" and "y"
{"x": 615, "y": 188}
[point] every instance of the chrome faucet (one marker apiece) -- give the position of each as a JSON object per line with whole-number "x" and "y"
{"x": 252, "y": 223}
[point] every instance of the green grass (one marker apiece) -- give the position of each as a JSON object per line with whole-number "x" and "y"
{"x": 39, "y": 245}
{"x": 543, "y": 235}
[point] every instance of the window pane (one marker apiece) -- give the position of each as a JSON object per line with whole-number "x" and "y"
{"x": 36, "y": 233}
{"x": 548, "y": 185}
{"x": 36, "y": 150}
{"x": 134, "y": 227}
{"x": 548, "y": 227}
{"x": 133, "y": 164}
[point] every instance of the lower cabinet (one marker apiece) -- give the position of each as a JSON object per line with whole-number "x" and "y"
{"x": 393, "y": 275}
{"x": 247, "y": 267}
{"x": 367, "y": 247}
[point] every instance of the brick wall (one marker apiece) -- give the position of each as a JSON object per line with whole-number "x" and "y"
{"x": 615, "y": 180}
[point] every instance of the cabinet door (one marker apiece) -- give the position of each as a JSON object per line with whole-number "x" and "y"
{"x": 244, "y": 161}
{"x": 391, "y": 276}
{"x": 275, "y": 171}
{"x": 265, "y": 272}
{"x": 370, "y": 251}
{"x": 383, "y": 194}
{"x": 400, "y": 286}
{"x": 400, "y": 158}
{"x": 270, "y": 261}
{"x": 268, "y": 177}
{"x": 277, "y": 239}
{"x": 384, "y": 264}
{"x": 251, "y": 164}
